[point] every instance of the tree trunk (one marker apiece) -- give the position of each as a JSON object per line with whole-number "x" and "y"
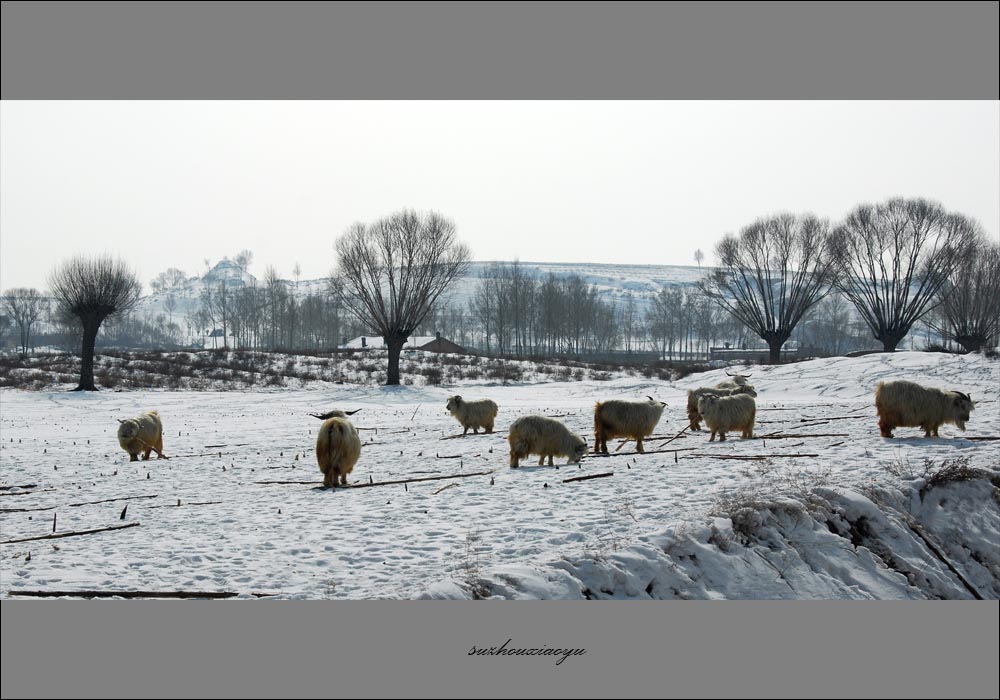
{"x": 890, "y": 340}
{"x": 971, "y": 343}
{"x": 774, "y": 355}
{"x": 395, "y": 345}
{"x": 774, "y": 340}
{"x": 90, "y": 328}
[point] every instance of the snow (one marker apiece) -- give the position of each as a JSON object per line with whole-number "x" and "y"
{"x": 852, "y": 522}
{"x": 377, "y": 343}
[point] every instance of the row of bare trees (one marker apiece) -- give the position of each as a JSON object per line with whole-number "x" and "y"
{"x": 271, "y": 316}
{"x": 895, "y": 261}
{"x": 519, "y": 314}
{"x": 516, "y": 313}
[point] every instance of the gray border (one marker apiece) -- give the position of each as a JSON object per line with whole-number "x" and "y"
{"x": 417, "y": 648}
{"x": 499, "y": 50}
{"x": 513, "y": 51}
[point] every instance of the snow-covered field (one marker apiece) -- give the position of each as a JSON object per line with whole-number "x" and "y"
{"x": 853, "y": 517}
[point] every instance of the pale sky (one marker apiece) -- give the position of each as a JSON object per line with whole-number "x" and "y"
{"x": 168, "y": 184}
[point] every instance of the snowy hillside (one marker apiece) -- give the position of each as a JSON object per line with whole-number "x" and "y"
{"x": 828, "y": 509}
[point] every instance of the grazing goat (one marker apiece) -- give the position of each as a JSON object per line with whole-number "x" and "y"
{"x": 545, "y": 437}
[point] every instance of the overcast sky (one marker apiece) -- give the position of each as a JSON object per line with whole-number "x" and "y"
{"x": 169, "y": 184}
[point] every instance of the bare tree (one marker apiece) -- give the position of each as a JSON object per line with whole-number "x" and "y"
{"x": 482, "y": 303}
{"x": 970, "y": 300}
{"x": 170, "y": 279}
{"x": 629, "y": 321}
{"x": 170, "y": 304}
{"x": 771, "y": 274}
{"x": 24, "y": 306}
{"x": 832, "y": 327}
{"x": 395, "y": 269}
{"x": 698, "y": 257}
{"x": 243, "y": 260}
{"x": 274, "y": 290}
{"x": 92, "y": 289}
{"x": 662, "y": 320}
{"x": 894, "y": 259}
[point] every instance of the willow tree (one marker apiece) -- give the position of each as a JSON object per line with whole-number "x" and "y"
{"x": 771, "y": 274}
{"x": 970, "y": 300}
{"x": 394, "y": 270}
{"x": 895, "y": 258}
{"x": 93, "y": 289}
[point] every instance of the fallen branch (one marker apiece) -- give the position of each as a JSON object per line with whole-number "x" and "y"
{"x": 443, "y": 488}
{"x": 20, "y": 486}
{"x": 25, "y": 493}
{"x": 653, "y": 437}
{"x": 808, "y": 424}
{"x": 415, "y": 413}
{"x": 589, "y": 476}
{"x": 201, "y": 454}
{"x": 791, "y": 427}
{"x": 134, "y": 594}
{"x": 982, "y": 437}
{"x": 58, "y": 535}
{"x": 747, "y": 457}
{"x": 388, "y": 483}
{"x": 804, "y": 420}
{"x": 159, "y": 454}
{"x": 192, "y": 503}
{"x": 647, "y": 452}
{"x": 73, "y": 505}
{"x": 941, "y": 555}
{"x": 449, "y": 457}
{"x": 454, "y": 437}
{"x": 242, "y": 444}
{"x": 675, "y": 436}
{"x": 783, "y": 436}
{"x": 109, "y": 500}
